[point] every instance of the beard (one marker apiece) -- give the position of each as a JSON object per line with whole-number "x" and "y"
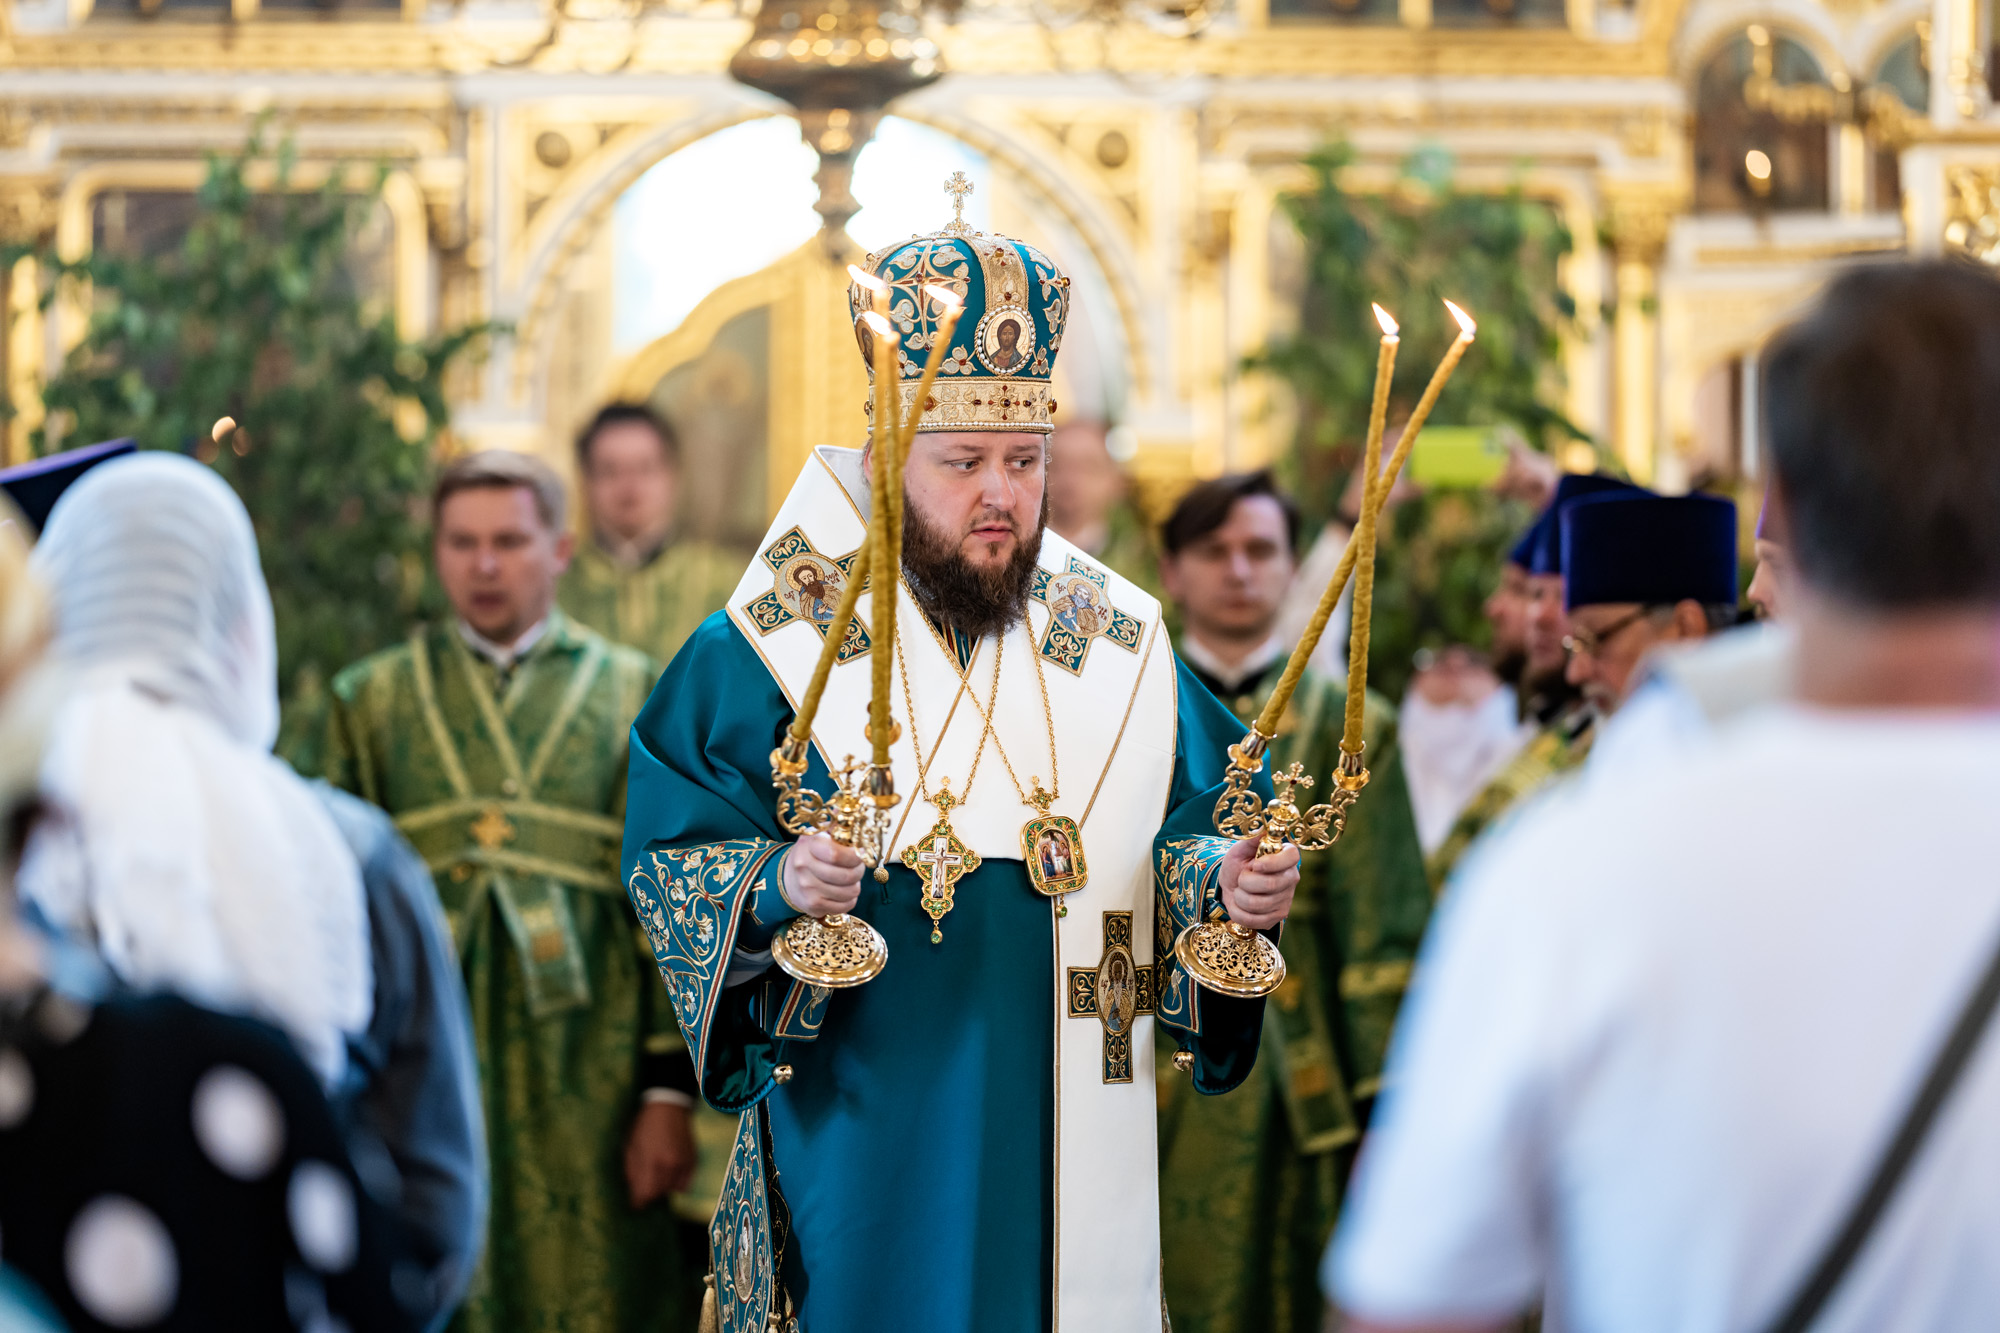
{"x": 959, "y": 595}
{"x": 1511, "y": 666}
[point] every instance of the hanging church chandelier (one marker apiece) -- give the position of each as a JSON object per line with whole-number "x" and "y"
{"x": 839, "y": 63}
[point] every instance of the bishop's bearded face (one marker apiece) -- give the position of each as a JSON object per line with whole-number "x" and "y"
{"x": 974, "y": 506}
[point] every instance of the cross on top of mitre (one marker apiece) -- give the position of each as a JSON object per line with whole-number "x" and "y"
{"x": 958, "y": 186}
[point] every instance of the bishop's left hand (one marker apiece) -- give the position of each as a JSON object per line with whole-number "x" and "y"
{"x": 1257, "y": 891}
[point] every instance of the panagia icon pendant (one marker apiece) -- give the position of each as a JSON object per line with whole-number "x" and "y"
{"x": 1052, "y": 846}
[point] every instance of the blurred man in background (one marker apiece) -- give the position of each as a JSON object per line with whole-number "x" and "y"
{"x": 1250, "y": 1181}
{"x": 630, "y": 579}
{"x": 1556, "y": 708}
{"x": 498, "y": 741}
{"x": 1642, "y": 572}
{"x": 1090, "y": 503}
{"x": 1679, "y": 1058}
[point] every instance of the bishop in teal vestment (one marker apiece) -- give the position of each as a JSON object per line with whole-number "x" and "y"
{"x": 914, "y": 1143}
{"x": 965, "y": 1142}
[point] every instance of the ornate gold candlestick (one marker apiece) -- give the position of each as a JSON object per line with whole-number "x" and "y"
{"x": 841, "y": 950}
{"x": 837, "y": 950}
{"x": 1222, "y": 955}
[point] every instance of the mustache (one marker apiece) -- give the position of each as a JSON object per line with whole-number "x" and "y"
{"x": 993, "y": 518}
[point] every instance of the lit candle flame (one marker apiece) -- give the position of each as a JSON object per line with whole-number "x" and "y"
{"x": 1466, "y": 328}
{"x": 1382, "y": 317}
{"x": 867, "y": 279}
{"x": 882, "y": 327}
{"x": 944, "y": 296}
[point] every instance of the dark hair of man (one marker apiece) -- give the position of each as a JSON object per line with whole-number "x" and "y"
{"x": 1882, "y": 404}
{"x": 1206, "y": 508}
{"x": 622, "y": 414}
{"x": 504, "y": 469}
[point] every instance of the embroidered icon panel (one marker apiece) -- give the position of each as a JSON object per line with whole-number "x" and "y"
{"x": 1115, "y": 993}
{"x": 806, "y": 585}
{"x": 1080, "y": 613}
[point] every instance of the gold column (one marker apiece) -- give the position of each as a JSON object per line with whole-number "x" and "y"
{"x": 26, "y": 214}
{"x": 1640, "y": 219}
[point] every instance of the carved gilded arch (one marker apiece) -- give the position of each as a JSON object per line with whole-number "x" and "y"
{"x": 571, "y": 218}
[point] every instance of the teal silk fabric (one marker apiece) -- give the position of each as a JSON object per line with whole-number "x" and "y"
{"x": 915, "y": 1143}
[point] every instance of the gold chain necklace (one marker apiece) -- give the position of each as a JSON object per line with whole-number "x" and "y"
{"x": 940, "y": 858}
{"x": 1051, "y": 845}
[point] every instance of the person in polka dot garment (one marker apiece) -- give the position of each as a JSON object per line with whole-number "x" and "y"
{"x": 161, "y": 1166}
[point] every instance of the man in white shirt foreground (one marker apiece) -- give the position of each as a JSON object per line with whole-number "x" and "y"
{"x": 1664, "y": 1028}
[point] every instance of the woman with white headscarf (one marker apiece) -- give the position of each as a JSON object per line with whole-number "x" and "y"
{"x": 193, "y": 859}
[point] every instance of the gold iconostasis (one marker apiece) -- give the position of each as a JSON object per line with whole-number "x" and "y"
{"x": 643, "y": 226}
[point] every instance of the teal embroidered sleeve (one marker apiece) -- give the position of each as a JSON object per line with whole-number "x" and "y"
{"x": 1187, "y": 889}
{"x": 702, "y": 858}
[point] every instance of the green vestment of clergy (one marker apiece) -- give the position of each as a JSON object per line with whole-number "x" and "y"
{"x": 513, "y": 790}
{"x": 654, "y": 606}
{"x": 1556, "y": 749}
{"x": 1250, "y": 1181}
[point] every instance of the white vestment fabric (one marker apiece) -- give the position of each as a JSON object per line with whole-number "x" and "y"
{"x": 1115, "y": 726}
{"x": 191, "y": 857}
{"x": 1664, "y": 1025}
{"x": 1451, "y": 751}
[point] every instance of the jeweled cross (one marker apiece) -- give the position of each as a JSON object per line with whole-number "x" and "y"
{"x": 958, "y": 187}
{"x": 941, "y": 860}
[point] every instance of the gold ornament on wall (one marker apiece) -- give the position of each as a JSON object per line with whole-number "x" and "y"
{"x": 1972, "y": 212}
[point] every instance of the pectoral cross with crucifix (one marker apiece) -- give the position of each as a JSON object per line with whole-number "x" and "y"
{"x": 940, "y": 860}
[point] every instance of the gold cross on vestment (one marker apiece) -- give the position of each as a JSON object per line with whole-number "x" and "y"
{"x": 1115, "y": 993}
{"x": 940, "y": 860}
{"x": 957, "y": 187}
{"x": 492, "y": 828}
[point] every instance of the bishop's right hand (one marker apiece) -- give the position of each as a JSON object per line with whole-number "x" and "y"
{"x": 821, "y": 877}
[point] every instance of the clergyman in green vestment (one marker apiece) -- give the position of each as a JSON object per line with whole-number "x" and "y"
{"x": 1566, "y": 720}
{"x": 630, "y": 579}
{"x": 966, "y": 1142}
{"x": 498, "y": 743}
{"x": 1250, "y": 1181}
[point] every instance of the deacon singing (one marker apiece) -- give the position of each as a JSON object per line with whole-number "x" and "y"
{"x": 964, "y": 1143}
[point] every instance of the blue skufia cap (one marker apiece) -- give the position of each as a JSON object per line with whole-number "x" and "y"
{"x": 35, "y": 487}
{"x": 1651, "y": 549}
{"x": 1540, "y": 549}
{"x": 995, "y": 374}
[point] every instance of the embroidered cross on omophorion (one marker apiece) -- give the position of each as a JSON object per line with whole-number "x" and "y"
{"x": 806, "y": 585}
{"x": 1080, "y": 612}
{"x": 1115, "y": 993}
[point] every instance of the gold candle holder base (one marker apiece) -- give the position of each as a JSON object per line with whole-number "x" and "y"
{"x": 1230, "y": 959}
{"x": 1219, "y": 954}
{"x": 835, "y": 951}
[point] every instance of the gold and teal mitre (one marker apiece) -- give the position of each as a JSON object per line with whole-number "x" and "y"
{"x": 995, "y": 373}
